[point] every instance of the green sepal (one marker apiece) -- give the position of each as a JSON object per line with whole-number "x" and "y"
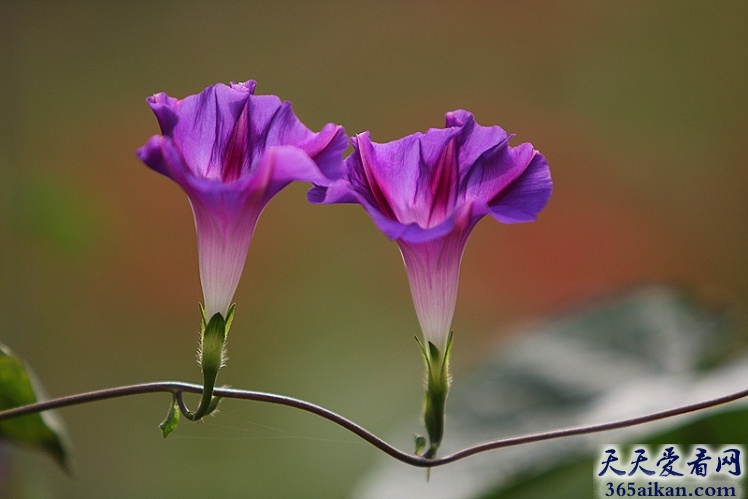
{"x": 19, "y": 386}
{"x": 447, "y": 356}
{"x": 434, "y": 352}
{"x": 423, "y": 350}
{"x": 437, "y": 388}
{"x": 169, "y": 424}
{"x": 213, "y": 341}
{"x": 230, "y": 317}
{"x": 425, "y": 356}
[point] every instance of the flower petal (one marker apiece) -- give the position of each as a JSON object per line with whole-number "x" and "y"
{"x": 151, "y": 155}
{"x": 285, "y": 164}
{"x": 163, "y": 107}
{"x": 206, "y": 125}
{"x": 495, "y": 170}
{"x": 223, "y": 240}
{"x": 474, "y": 140}
{"x": 526, "y": 196}
{"x": 338, "y": 191}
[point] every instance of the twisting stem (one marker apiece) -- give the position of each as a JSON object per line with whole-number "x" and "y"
{"x": 206, "y": 399}
{"x": 176, "y": 388}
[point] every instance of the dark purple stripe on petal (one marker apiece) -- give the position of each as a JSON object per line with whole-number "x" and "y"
{"x": 262, "y": 112}
{"x": 235, "y": 160}
{"x": 217, "y": 151}
{"x": 443, "y": 183}
{"x": 495, "y": 170}
{"x": 364, "y": 161}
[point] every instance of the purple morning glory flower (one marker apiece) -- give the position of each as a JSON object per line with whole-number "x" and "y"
{"x": 231, "y": 151}
{"x": 427, "y": 191}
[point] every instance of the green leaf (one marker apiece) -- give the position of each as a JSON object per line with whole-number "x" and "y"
{"x": 45, "y": 430}
{"x": 169, "y": 424}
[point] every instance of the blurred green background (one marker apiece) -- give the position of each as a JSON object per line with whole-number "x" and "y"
{"x": 640, "y": 107}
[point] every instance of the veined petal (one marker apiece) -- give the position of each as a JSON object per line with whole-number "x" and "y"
{"x": 337, "y": 191}
{"x": 203, "y": 125}
{"x": 163, "y": 107}
{"x": 438, "y": 179}
{"x": 526, "y": 196}
{"x": 283, "y": 165}
{"x": 152, "y": 155}
{"x": 433, "y": 269}
{"x": 326, "y": 149}
{"x": 372, "y": 170}
{"x": 474, "y": 140}
{"x": 223, "y": 240}
{"x": 397, "y": 179}
{"x": 495, "y": 170}
{"x": 411, "y": 232}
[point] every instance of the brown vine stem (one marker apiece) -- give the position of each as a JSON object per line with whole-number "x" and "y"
{"x": 177, "y": 388}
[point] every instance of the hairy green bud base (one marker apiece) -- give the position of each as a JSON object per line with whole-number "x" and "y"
{"x": 437, "y": 388}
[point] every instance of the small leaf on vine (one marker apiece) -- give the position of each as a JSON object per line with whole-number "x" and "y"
{"x": 19, "y": 386}
{"x": 169, "y": 424}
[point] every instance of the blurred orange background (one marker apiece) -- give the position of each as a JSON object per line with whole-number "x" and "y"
{"x": 640, "y": 107}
